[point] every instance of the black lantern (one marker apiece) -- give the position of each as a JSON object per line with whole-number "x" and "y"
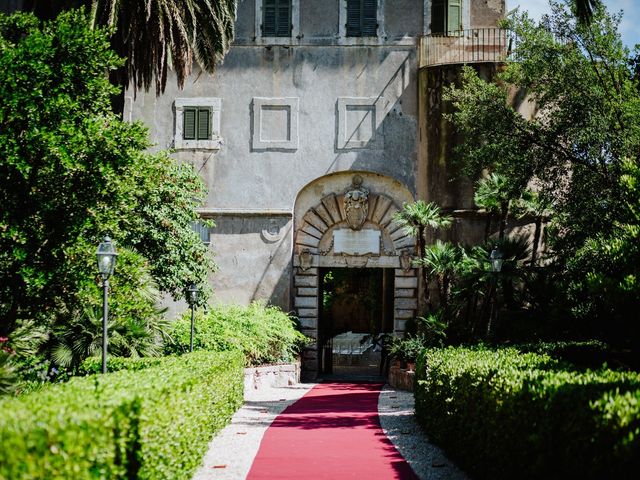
{"x": 106, "y": 255}
{"x": 496, "y": 260}
{"x": 193, "y": 297}
{"x": 106, "y": 258}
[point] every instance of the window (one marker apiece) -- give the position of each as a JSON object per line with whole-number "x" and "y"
{"x": 276, "y": 18}
{"x": 202, "y": 230}
{"x": 197, "y": 123}
{"x": 446, "y": 16}
{"x": 362, "y": 18}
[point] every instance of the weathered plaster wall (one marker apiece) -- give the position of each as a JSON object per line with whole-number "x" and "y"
{"x": 251, "y": 187}
{"x": 440, "y": 180}
{"x": 486, "y": 13}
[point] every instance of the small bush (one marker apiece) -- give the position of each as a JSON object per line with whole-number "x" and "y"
{"x": 263, "y": 334}
{"x": 154, "y": 424}
{"x": 496, "y": 411}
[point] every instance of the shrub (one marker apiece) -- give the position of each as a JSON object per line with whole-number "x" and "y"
{"x": 93, "y": 365}
{"x": 263, "y": 334}
{"x": 497, "y": 410}
{"x": 154, "y": 424}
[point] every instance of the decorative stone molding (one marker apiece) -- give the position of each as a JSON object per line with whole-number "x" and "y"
{"x": 356, "y": 204}
{"x": 274, "y": 123}
{"x": 215, "y": 105}
{"x": 315, "y": 234}
{"x": 273, "y": 233}
{"x": 359, "y": 120}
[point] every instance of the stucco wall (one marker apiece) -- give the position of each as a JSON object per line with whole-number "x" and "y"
{"x": 251, "y": 187}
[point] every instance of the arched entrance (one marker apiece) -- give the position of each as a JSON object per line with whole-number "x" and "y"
{"x": 345, "y": 221}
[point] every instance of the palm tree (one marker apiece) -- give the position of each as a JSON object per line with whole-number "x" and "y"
{"x": 533, "y": 205}
{"x": 416, "y": 218}
{"x": 440, "y": 262}
{"x": 155, "y": 34}
{"x": 493, "y": 194}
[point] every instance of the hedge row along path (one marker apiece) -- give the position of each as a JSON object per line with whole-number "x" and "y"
{"x": 332, "y": 432}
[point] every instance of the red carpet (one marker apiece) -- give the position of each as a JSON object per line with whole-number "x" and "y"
{"x": 333, "y": 432}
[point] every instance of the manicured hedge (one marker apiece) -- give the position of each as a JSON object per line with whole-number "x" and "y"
{"x": 150, "y": 424}
{"x": 93, "y": 365}
{"x": 506, "y": 414}
{"x": 263, "y": 334}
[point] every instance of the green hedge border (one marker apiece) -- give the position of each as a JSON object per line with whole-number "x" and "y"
{"x": 503, "y": 414}
{"x": 151, "y": 424}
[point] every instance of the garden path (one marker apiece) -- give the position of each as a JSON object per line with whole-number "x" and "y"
{"x": 234, "y": 450}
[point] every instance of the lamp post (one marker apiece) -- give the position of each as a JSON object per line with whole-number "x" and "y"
{"x": 496, "y": 259}
{"x": 193, "y": 296}
{"x": 106, "y": 264}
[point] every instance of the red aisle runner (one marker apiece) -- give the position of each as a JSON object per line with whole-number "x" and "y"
{"x": 333, "y": 432}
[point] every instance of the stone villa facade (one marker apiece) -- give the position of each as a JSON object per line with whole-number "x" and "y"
{"x": 323, "y": 119}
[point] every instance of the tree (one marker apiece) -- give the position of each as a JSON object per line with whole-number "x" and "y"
{"x": 586, "y": 127}
{"x": 494, "y": 196}
{"x": 584, "y": 10}
{"x": 155, "y": 34}
{"x": 72, "y": 172}
{"x": 416, "y": 218}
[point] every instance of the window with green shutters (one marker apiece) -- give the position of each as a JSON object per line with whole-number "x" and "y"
{"x": 196, "y": 123}
{"x": 276, "y": 18}
{"x": 446, "y": 16}
{"x": 362, "y": 18}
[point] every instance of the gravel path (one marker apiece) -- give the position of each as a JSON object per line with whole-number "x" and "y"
{"x": 232, "y": 451}
{"x": 396, "y": 411}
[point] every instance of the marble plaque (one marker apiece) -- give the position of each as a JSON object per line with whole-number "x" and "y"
{"x": 356, "y": 242}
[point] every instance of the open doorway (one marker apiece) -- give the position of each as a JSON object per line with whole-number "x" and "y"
{"x": 356, "y": 309}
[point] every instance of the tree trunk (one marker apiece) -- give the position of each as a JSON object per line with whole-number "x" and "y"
{"x": 536, "y": 241}
{"x": 487, "y": 227}
{"x": 504, "y": 213}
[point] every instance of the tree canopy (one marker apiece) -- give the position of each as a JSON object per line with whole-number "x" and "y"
{"x": 72, "y": 171}
{"x": 580, "y": 150}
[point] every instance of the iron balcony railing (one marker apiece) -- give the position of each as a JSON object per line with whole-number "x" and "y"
{"x": 475, "y": 45}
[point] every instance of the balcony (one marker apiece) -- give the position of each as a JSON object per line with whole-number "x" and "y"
{"x": 476, "y": 45}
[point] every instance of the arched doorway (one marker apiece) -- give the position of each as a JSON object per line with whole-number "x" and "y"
{"x": 345, "y": 221}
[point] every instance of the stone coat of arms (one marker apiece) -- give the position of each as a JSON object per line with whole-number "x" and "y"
{"x": 356, "y": 204}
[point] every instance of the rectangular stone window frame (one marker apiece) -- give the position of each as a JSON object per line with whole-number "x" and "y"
{"x": 295, "y": 26}
{"x": 215, "y": 140}
{"x": 342, "y": 27}
{"x": 262, "y": 103}
{"x": 377, "y": 105}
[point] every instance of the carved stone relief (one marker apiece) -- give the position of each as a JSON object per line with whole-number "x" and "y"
{"x": 356, "y": 204}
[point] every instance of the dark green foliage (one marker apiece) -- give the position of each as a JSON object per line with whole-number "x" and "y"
{"x": 92, "y": 365}
{"x": 579, "y": 149}
{"x": 72, "y": 172}
{"x": 263, "y": 334}
{"x": 155, "y": 424}
{"x": 495, "y": 411}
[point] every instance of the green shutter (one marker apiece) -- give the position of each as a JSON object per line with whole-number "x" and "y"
{"x": 276, "y": 18}
{"x": 454, "y": 15}
{"x": 354, "y": 28}
{"x": 189, "y": 124}
{"x": 284, "y": 18}
{"x": 369, "y": 18}
{"x": 438, "y": 16}
{"x": 204, "y": 127}
{"x": 269, "y": 18}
